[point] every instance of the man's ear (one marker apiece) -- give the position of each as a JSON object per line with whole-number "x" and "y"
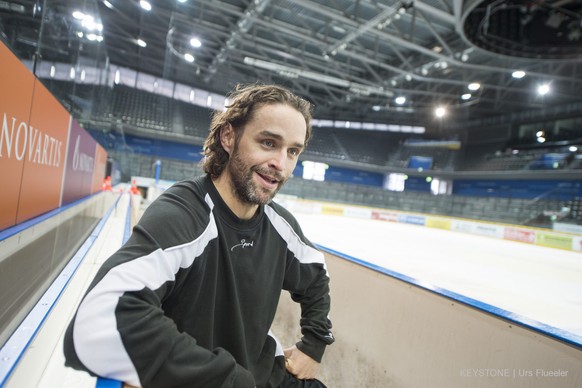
{"x": 227, "y": 136}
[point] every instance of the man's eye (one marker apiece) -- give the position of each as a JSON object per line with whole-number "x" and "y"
{"x": 268, "y": 143}
{"x": 294, "y": 151}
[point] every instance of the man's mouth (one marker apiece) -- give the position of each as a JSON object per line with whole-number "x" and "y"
{"x": 268, "y": 179}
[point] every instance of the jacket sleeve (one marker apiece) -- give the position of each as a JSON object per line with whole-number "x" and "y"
{"x": 307, "y": 280}
{"x": 120, "y": 331}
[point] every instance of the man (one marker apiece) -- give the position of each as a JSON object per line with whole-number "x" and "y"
{"x": 189, "y": 300}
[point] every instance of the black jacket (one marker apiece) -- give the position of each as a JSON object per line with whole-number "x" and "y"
{"x": 189, "y": 300}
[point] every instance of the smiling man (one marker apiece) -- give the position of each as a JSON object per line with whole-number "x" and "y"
{"x": 189, "y": 300}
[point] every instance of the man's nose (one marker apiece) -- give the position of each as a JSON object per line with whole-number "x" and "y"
{"x": 278, "y": 160}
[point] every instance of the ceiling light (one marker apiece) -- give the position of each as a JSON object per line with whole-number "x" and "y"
{"x": 72, "y": 73}
{"x": 541, "y": 139}
{"x": 400, "y": 100}
{"x": 518, "y": 74}
{"x": 466, "y": 96}
{"x": 107, "y": 4}
{"x": 440, "y": 111}
{"x": 539, "y": 133}
{"x": 474, "y": 86}
{"x": 141, "y": 43}
{"x": 573, "y": 149}
{"x": 145, "y": 5}
{"x": 182, "y": 1}
{"x": 79, "y": 15}
{"x": 189, "y": 57}
{"x": 376, "y": 108}
{"x": 195, "y": 42}
{"x": 543, "y": 89}
{"x": 53, "y": 71}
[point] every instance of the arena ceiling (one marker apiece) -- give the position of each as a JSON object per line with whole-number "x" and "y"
{"x": 351, "y": 58}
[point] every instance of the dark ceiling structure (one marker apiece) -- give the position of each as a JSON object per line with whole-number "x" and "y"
{"x": 351, "y": 58}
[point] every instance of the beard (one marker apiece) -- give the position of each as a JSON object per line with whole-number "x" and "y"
{"x": 243, "y": 184}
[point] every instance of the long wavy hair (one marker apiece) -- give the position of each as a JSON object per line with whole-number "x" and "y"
{"x": 244, "y": 100}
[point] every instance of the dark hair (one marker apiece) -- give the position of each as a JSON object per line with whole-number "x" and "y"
{"x": 243, "y": 102}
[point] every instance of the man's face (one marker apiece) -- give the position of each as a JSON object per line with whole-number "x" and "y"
{"x": 266, "y": 153}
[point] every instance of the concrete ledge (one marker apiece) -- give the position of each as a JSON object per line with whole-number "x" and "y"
{"x": 390, "y": 333}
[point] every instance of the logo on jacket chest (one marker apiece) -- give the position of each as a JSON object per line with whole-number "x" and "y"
{"x": 243, "y": 244}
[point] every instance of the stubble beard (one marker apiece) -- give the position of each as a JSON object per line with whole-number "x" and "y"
{"x": 243, "y": 185}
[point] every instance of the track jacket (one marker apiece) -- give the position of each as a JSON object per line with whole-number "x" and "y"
{"x": 188, "y": 301}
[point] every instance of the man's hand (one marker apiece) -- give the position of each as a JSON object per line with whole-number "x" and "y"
{"x": 300, "y": 364}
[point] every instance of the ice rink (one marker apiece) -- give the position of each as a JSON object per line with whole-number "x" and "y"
{"x": 534, "y": 282}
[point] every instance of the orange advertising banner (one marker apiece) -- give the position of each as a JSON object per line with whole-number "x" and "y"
{"x": 16, "y": 86}
{"x": 44, "y": 155}
{"x": 99, "y": 168}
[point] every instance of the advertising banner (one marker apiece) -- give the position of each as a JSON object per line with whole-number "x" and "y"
{"x": 489, "y": 230}
{"x": 553, "y": 240}
{"x": 80, "y": 162}
{"x": 385, "y": 215}
{"x": 332, "y": 210}
{"x": 15, "y": 99}
{"x": 357, "y": 212}
{"x": 411, "y": 219}
{"x": 99, "y": 168}
{"x": 517, "y": 234}
{"x": 43, "y": 150}
{"x": 438, "y": 223}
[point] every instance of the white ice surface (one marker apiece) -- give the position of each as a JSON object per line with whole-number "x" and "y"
{"x": 543, "y": 284}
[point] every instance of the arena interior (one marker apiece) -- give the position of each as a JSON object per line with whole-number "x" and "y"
{"x": 443, "y": 180}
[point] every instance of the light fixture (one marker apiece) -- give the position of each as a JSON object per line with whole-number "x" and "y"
{"x": 518, "y": 74}
{"x": 474, "y": 86}
{"x": 53, "y": 71}
{"x": 189, "y": 57}
{"x": 141, "y": 43}
{"x": 376, "y": 108}
{"x": 72, "y": 73}
{"x": 79, "y": 15}
{"x": 400, "y": 100}
{"x": 440, "y": 112}
{"x": 543, "y": 89}
{"x": 540, "y": 133}
{"x": 145, "y": 5}
{"x": 573, "y": 149}
{"x": 541, "y": 139}
{"x": 108, "y": 4}
{"x": 117, "y": 77}
{"x": 466, "y": 96}
{"x": 195, "y": 42}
